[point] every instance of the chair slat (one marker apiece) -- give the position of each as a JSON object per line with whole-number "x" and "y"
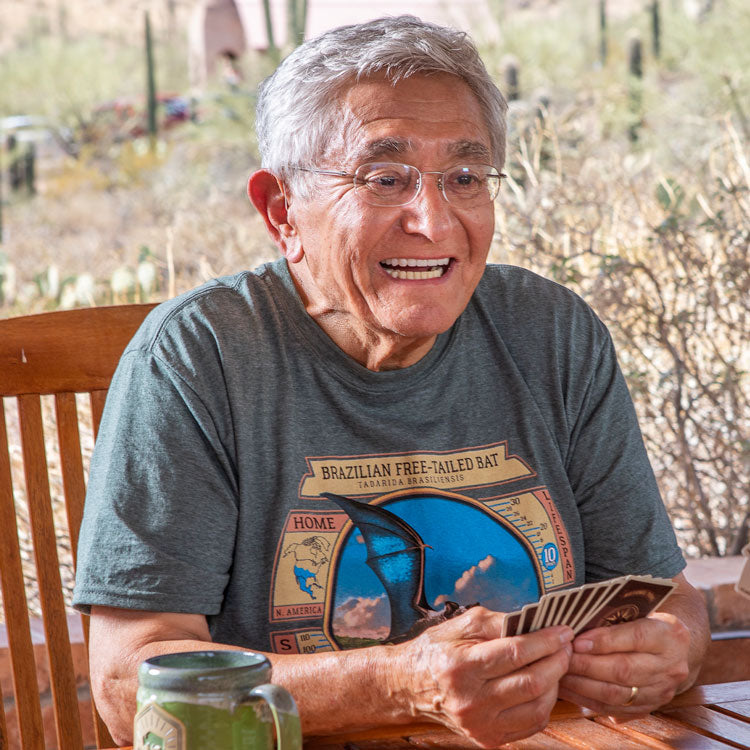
{"x": 62, "y": 675}
{"x": 97, "y": 398}
{"x": 71, "y": 463}
{"x": 26, "y": 692}
{"x": 14, "y": 606}
{"x": 69, "y": 439}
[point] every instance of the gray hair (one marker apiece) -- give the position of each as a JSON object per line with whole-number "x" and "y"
{"x": 297, "y": 105}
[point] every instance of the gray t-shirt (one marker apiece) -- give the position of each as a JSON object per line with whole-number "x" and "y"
{"x": 509, "y": 457}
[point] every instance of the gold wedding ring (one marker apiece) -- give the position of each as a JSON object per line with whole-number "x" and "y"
{"x": 633, "y": 696}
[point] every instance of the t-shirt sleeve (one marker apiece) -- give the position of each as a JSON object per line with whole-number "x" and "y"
{"x": 626, "y": 529}
{"x": 160, "y": 517}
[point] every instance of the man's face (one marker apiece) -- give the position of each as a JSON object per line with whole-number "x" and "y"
{"x": 352, "y": 250}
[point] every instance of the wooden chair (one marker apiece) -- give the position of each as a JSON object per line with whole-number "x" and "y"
{"x": 61, "y": 354}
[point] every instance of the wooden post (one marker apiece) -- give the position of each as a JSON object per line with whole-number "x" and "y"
{"x": 150, "y": 82}
{"x": 603, "y": 32}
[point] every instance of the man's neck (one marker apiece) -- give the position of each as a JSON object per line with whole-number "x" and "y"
{"x": 374, "y": 350}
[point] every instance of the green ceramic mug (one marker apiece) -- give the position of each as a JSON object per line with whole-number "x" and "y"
{"x": 213, "y": 700}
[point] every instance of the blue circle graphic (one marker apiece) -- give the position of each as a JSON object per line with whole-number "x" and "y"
{"x": 550, "y": 556}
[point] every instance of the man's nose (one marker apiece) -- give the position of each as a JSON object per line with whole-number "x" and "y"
{"x": 429, "y": 213}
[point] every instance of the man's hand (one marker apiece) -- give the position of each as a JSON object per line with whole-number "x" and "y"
{"x": 659, "y": 655}
{"x": 492, "y": 690}
{"x": 649, "y": 654}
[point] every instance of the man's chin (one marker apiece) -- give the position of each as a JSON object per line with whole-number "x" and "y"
{"x": 421, "y": 326}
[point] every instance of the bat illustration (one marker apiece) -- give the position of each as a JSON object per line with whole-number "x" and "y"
{"x": 395, "y": 553}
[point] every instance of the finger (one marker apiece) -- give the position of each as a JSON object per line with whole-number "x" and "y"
{"x": 607, "y": 699}
{"x": 644, "y": 635}
{"x": 605, "y": 693}
{"x": 523, "y": 720}
{"x": 531, "y": 682}
{"x": 619, "y": 668}
{"x": 502, "y": 656}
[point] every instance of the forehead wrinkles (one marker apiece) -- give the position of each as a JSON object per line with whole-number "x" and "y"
{"x": 376, "y": 120}
{"x": 353, "y": 144}
{"x": 392, "y": 147}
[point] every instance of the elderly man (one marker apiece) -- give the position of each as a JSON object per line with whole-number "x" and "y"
{"x": 312, "y": 458}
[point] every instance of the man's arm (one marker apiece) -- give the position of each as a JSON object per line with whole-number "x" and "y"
{"x": 459, "y": 674}
{"x": 661, "y": 655}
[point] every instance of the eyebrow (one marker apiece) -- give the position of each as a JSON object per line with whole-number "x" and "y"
{"x": 385, "y": 147}
{"x": 390, "y": 146}
{"x": 470, "y": 149}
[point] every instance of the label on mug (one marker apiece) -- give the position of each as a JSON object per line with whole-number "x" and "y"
{"x": 155, "y": 729}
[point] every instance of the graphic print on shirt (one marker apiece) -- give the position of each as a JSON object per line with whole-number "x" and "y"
{"x": 403, "y": 535}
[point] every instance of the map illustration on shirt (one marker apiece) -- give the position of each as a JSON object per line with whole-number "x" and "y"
{"x": 368, "y": 570}
{"x": 309, "y": 557}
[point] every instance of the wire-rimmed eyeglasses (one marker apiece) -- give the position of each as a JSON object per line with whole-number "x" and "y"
{"x": 392, "y": 184}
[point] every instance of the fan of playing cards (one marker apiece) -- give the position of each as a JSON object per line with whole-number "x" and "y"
{"x": 592, "y": 605}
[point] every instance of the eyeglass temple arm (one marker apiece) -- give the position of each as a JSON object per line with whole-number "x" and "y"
{"x": 325, "y": 171}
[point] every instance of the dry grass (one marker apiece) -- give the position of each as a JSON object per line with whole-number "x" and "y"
{"x": 95, "y": 222}
{"x": 665, "y": 262}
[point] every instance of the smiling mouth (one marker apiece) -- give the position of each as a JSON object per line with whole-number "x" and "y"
{"x": 415, "y": 268}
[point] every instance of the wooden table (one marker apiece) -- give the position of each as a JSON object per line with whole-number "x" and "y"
{"x": 708, "y": 717}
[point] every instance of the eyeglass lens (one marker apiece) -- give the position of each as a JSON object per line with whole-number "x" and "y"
{"x": 391, "y": 184}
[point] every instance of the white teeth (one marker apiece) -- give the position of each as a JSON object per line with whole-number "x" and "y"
{"x": 411, "y": 262}
{"x": 434, "y": 274}
{"x": 437, "y": 267}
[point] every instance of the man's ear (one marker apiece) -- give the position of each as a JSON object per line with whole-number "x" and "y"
{"x": 267, "y": 195}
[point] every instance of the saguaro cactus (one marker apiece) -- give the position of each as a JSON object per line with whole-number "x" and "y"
{"x": 655, "y": 28}
{"x": 635, "y": 78}
{"x": 150, "y": 79}
{"x": 511, "y": 67}
{"x": 272, "y": 48}
{"x": 635, "y": 57}
{"x": 29, "y": 168}
{"x": 296, "y": 21}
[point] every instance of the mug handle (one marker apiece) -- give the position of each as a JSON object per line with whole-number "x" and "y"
{"x": 285, "y": 715}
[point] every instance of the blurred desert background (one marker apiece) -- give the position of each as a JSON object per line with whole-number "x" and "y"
{"x": 629, "y": 182}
